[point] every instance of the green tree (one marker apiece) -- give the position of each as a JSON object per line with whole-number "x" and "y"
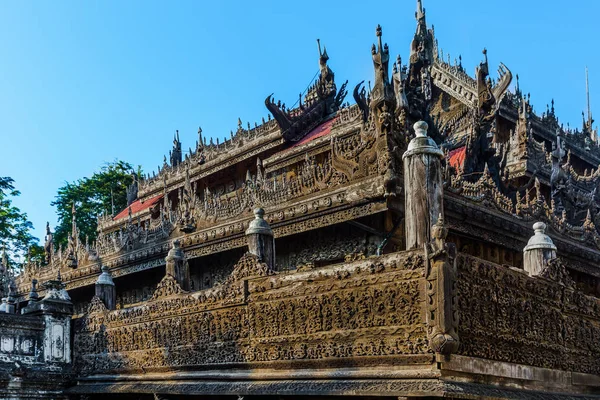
{"x": 37, "y": 254}
{"x": 15, "y": 228}
{"x": 92, "y": 197}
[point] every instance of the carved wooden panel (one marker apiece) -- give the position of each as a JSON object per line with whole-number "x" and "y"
{"x": 506, "y": 315}
{"x": 345, "y": 311}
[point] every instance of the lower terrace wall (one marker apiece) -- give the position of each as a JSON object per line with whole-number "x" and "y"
{"x": 351, "y": 313}
{"x": 506, "y": 315}
{"x": 28, "y": 368}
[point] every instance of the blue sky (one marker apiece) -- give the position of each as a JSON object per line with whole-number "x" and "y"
{"x": 86, "y": 82}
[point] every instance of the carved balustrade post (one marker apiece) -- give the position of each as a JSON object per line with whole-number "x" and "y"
{"x": 177, "y": 265}
{"x": 539, "y": 250}
{"x": 440, "y": 274}
{"x": 106, "y": 290}
{"x": 9, "y": 304}
{"x": 423, "y": 187}
{"x": 33, "y": 298}
{"x": 260, "y": 239}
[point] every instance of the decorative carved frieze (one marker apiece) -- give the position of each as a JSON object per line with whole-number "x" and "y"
{"x": 375, "y": 302}
{"x": 525, "y": 320}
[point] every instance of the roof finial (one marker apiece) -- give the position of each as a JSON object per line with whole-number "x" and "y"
{"x": 112, "y": 200}
{"x": 379, "y": 40}
{"x": 420, "y": 10}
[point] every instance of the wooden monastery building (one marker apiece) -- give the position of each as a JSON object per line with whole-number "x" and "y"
{"x": 433, "y": 237}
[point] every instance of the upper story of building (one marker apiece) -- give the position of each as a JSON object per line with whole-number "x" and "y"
{"x": 324, "y": 161}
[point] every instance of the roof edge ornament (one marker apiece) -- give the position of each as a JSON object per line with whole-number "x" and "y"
{"x": 321, "y": 100}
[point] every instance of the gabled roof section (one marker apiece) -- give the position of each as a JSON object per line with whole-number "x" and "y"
{"x": 322, "y": 100}
{"x": 320, "y": 131}
{"x": 138, "y": 206}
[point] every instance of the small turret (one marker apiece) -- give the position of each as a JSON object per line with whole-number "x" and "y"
{"x": 105, "y": 289}
{"x": 260, "y": 238}
{"x": 177, "y": 265}
{"x": 539, "y": 250}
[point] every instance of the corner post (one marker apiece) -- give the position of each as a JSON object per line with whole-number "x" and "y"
{"x": 423, "y": 187}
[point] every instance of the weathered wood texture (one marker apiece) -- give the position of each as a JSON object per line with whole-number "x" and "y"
{"x": 505, "y": 315}
{"x": 424, "y": 193}
{"x": 345, "y": 312}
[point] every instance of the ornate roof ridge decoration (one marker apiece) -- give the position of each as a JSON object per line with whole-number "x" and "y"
{"x": 484, "y": 190}
{"x": 75, "y": 254}
{"x": 584, "y": 142}
{"x": 527, "y": 207}
{"x": 454, "y": 81}
{"x": 535, "y": 208}
{"x": 206, "y": 155}
{"x": 322, "y": 101}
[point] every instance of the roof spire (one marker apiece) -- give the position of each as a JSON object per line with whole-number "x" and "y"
{"x": 382, "y": 90}
{"x": 587, "y": 93}
{"x": 112, "y": 201}
{"x": 73, "y": 223}
{"x": 200, "y": 143}
{"x": 422, "y": 47}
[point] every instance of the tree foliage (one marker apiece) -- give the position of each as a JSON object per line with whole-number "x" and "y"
{"x": 15, "y": 228}
{"x": 92, "y": 197}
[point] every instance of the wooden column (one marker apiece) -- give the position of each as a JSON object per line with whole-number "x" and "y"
{"x": 423, "y": 187}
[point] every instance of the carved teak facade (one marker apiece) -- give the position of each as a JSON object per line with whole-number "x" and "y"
{"x": 384, "y": 249}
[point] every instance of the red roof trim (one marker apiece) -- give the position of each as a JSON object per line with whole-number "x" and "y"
{"x": 319, "y": 131}
{"x": 456, "y": 158}
{"x": 138, "y": 206}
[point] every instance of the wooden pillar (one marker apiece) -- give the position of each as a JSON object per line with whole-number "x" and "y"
{"x": 105, "y": 289}
{"x": 177, "y": 265}
{"x": 539, "y": 250}
{"x": 260, "y": 239}
{"x": 423, "y": 187}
